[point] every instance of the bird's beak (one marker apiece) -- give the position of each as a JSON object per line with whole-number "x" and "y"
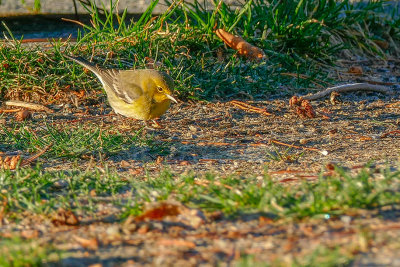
{"x": 172, "y": 98}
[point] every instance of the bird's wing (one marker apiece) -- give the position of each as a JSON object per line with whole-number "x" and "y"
{"x": 121, "y": 83}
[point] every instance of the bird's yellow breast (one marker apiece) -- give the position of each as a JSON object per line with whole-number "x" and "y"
{"x": 142, "y": 108}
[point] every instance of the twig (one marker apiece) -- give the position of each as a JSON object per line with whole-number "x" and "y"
{"x": 9, "y": 110}
{"x": 250, "y": 108}
{"x": 349, "y": 88}
{"x": 74, "y": 21}
{"x": 34, "y": 157}
{"x": 323, "y": 152}
{"x": 390, "y": 133}
{"x": 37, "y": 107}
{"x": 393, "y": 105}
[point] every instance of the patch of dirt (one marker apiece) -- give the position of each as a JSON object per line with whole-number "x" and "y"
{"x": 220, "y": 138}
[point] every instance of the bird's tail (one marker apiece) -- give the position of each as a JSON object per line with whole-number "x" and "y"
{"x": 89, "y": 65}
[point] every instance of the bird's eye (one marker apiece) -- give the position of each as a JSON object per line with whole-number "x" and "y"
{"x": 159, "y": 89}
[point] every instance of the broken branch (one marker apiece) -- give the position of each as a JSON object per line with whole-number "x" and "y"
{"x": 250, "y": 108}
{"x": 349, "y": 88}
{"x": 37, "y": 107}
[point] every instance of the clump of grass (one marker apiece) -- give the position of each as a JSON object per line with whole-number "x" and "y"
{"x": 315, "y": 30}
{"x": 232, "y": 195}
{"x": 81, "y": 141}
{"x": 17, "y": 252}
{"x": 34, "y": 74}
{"x": 37, "y": 191}
{"x": 299, "y": 37}
{"x": 40, "y": 192}
{"x": 302, "y": 37}
{"x": 322, "y": 256}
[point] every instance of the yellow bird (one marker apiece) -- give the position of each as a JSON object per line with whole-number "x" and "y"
{"x": 143, "y": 94}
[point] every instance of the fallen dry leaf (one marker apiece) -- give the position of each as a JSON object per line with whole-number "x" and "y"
{"x": 91, "y": 244}
{"x": 173, "y": 211}
{"x": 64, "y": 217}
{"x": 308, "y": 109}
{"x": 238, "y": 43}
{"x": 302, "y": 107}
{"x": 9, "y": 162}
{"x": 262, "y": 220}
{"x": 356, "y": 70}
{"x": 29, "y": 234}
{"x": 79, "y": 94}
{"x": 159, "y": 211}
{"x": 382, "y": 44}
{"x": 22, "y": 115}
{"x": 176, "y": 243}
{"x": 136, "y": 171}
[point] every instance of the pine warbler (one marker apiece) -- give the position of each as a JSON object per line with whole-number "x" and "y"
{"x": 142, "y": 94}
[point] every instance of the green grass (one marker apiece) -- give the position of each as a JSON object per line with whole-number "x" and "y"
{"x": 16, "y": 252}
{"x": 73, "y": 142}
{"x": 322, "y": 256}
{"x": 303, "y": 37}
{"x": 35, "y": 190}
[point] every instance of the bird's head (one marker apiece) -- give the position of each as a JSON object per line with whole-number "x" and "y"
{"x": 163, "y": 86}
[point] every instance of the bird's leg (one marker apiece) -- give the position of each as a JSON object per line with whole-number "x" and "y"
{"x": 155, "y": 124}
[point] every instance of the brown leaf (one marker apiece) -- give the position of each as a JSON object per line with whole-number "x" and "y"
{"x": 91, "y": 244}
{"x": 14, "y": 161}
{"x": 124, "y": 164}
{"x": 184, "y": 163}
{"x": 294, "y": 101}
{"x": 309, "y": 110}
{"x": 382, "y": 44}
{"x": 93, "y": 193}
{"x": 29, "y": 234}
{"x": 9, "y": 162}
{"x": 64, "y": 217}
{"x": 159, "y": 160}
{"x": 173, "y": 211}
{"x": 262, "y": 220}
{"x": 330, "y": 166}
{"x": 136, "y": 171}
{"x": 238, "y": 43}
{"x": 356, "y": 70}
{"x": 302, "y": 107}
{"x": 159, "y": 211}
{"x": 176, "y": 243}
{"x": 79, "y": 94}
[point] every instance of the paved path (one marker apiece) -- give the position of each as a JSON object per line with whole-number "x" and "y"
{"x": 15, "y": 7}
